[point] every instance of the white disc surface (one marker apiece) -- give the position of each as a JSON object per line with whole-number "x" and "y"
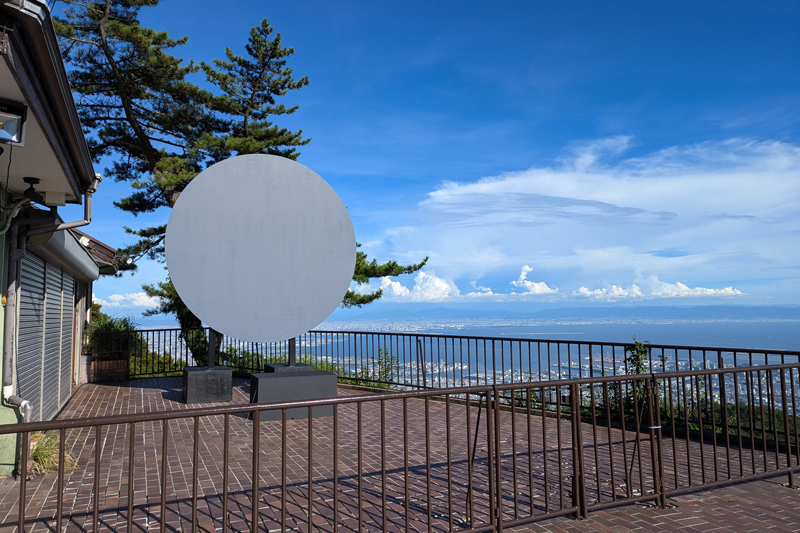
{"x": 260, "y": 248}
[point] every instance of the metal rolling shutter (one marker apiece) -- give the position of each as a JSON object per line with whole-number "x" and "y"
{"x": 52, "y": 342}
{"x": 45, "y": 336}
{"x": 67, "y": 333}
{"x": 30, "y": 332}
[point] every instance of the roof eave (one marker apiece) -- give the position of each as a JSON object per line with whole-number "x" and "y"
{"x": 33, "y": 16}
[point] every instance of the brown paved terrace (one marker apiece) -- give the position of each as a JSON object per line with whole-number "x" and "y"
{"x": 527, "y": 465}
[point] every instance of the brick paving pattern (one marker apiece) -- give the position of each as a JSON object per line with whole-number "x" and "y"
{"x": 397, "y": 465}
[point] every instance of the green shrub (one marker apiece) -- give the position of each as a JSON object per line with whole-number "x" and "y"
{"x": 112, "y": 338}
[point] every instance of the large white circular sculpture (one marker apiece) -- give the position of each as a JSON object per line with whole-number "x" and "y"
{"x": 260, "y": 248}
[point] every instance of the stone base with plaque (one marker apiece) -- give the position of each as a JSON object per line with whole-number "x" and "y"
{"x": 288, "y": 386}
{"x": 202, "y": 384}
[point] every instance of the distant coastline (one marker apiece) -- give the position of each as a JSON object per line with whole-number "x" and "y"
{"x": 777, "y": 333}
{"x": 718, "y": 326}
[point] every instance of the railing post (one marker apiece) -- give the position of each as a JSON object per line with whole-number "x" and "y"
{"x": 578, "y": 468}
{"x": 498, "y": 463}
{"x": 490, "y": 457}
{"x": 723, "y": 400}
{"x": 787, "y": 437}
{"x": 655, "y": 440}
{"x": 22, "y": 471}
{"x": 421, "y": 364}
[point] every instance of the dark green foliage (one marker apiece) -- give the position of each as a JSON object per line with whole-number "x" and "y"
{"x": 191, "y": 327}
{"x": 153, "y": 364}
{"x": 116, "y": 338}
{"x": 97, "y": 314}
{"x": 136, "y": 99}
{"x": 250, "y": 86}
{"x": 138, "y": 104}
{"x": 111, "y": 338}
{"x": 636, "y": 356}
{"x": 366, "y": 270}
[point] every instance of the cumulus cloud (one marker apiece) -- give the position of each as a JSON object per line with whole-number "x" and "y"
{"x": 610, "y": 294}
{"x": 531, "y": 287}
{"x": 393, "y": 289}
{"x": 654, "y": 288}
{"x": 662, "y": 289}
{"x": 130, "y": 300}
{"x": 480, "y": 289}
{"x": 427, "y": 288}
{"x": 719, "y": 211}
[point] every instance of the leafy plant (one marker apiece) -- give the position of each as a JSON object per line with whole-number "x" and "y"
{"x": 117, "y": 339}
{"x": 111, "y": 338}
{"x": 637, "y": 356}
{"x": 636, "y": 359}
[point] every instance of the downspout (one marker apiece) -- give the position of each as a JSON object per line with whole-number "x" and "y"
{"x": 13, "y": 213}
{"x": 87, "y": 213}
{"x": 15, "y": 253}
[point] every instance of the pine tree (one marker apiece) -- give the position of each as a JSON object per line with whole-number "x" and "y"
{"x": 250, "y": 86}
{"x": 137, "y": 103}
{"x": 367, "y": 270}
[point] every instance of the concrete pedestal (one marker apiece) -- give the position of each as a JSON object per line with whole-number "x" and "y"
{"x": 287, "y": 385}
{"x": 202, "y": 384}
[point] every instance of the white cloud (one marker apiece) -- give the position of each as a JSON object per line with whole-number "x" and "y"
{"x": 430, "y": 288}
{"x": 654, "y": 288}
{"x": 393, "y": 289}
{"x": 725, "y": 212}
{"x": 610, "y": 294}
{"x": 662, "y": 289}
{"x": 531, "y": 287}
{"x": 427, "y": 288}
{"x": 125, "y": 301}
{"x": 586, "y": 154}
{"x": 480, "y": 289}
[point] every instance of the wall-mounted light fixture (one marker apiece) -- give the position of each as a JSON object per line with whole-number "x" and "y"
{"x": 30, "y": 193}
{"x": 12, "y": 122}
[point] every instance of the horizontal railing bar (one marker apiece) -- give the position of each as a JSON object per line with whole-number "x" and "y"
{"x": 539, "y": 517}
{"x": 471, "y": 390}
{"x": 562, "y": 341}
{"x": 741, "y": 479}
{"x": 597, "y": 343}
{"x": 705, "y": 410}
{"x": 623, "y": 501}
{"x": 240, "y": 409}
{"x": 642, "y": 377}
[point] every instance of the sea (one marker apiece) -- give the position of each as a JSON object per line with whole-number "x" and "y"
{"x": 771, "y": 334}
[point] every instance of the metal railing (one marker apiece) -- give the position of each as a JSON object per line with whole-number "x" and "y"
{"x": 412, "y": 360}
{"x": 470, "y": 459}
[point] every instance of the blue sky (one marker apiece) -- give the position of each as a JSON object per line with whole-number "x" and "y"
{"x": 541, "y": 154}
